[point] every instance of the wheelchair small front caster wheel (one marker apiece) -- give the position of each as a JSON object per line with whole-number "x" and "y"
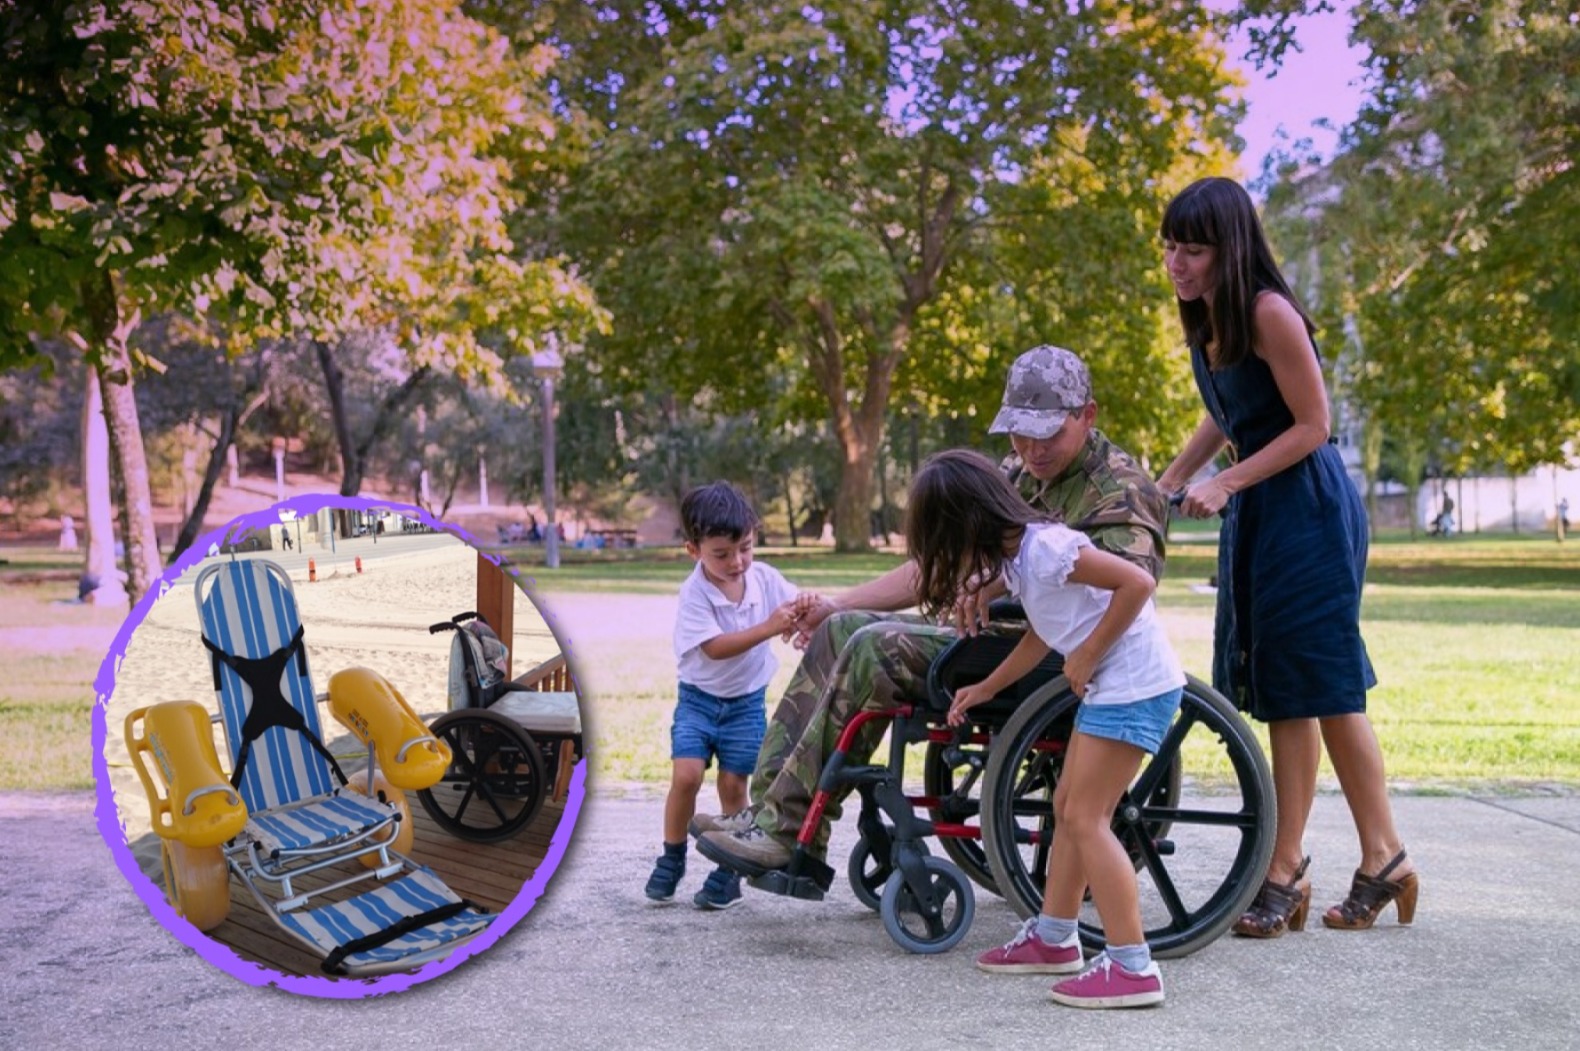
{"x": 919, "y": 926}
{"x": 867, "y": 875}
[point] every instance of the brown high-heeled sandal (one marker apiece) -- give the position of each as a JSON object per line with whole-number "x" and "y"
{"x": 1369, "y": 895}
{"x": 1277, "y": 907}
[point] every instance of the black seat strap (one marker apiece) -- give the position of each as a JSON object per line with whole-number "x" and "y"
{"x": 405, "y": 925}
{"x": 269, "y": 707}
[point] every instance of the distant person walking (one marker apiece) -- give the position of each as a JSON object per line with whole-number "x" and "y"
{"x": 1287, "y": 644}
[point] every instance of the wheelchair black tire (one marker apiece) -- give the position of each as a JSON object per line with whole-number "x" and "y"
{"x": 472, "y": 801}
{"x": 1017, "y": 798}
{"x": 909, "y": 928}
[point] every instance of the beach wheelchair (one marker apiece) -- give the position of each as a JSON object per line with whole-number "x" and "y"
{"x": 512, "y": 743}
{"x": 300, "y": 835}
{"x": 1198, "y": 821}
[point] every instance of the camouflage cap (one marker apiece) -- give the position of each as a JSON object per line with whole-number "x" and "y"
{"x": 1045, "y": 385}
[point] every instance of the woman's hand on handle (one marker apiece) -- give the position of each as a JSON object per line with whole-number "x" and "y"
{"x": 1204, "y": 499}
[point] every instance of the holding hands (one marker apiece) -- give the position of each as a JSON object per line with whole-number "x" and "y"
{"x": 798, "y": 618}
{"x": 811, "y": 609}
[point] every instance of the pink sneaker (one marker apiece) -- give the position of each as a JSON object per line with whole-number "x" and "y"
{"x": 1028, "y": 954}
{"x": 1106, "y": 984}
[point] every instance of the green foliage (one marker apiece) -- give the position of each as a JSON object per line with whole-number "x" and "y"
{"x": 1449, "y": 230}
{"x": 852, "y": 196}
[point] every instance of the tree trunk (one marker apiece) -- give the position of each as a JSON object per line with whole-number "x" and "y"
{"x": 353, "y": 455}
{"x": 101, "y": 576}
{"x": 789, "y": 508}
{"x": 335, "y": 385}
{"x": 113, "y": 365}
{"x": 853, "y": 503}
{"x": 216, "y": 464}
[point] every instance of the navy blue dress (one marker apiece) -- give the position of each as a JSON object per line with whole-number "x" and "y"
{"x": 1291, "y": 561}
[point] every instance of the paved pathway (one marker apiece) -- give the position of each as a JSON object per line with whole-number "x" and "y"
{"x": 1489, "y": 963}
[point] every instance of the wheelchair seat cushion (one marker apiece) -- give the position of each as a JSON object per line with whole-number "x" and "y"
{"x": 541, "y": 712}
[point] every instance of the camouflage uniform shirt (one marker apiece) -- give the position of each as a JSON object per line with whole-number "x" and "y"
{"x": 1106, "y": 495}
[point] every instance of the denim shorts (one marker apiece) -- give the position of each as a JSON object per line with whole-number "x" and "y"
{"x": 1141, "y": 723}
{"x": 731, "y": 728}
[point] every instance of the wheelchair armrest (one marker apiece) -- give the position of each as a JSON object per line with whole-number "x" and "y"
{"x": 969, "y": 659}
{"x": 192, "y": 801}
{"x": 1006, "y": 609}
{"x": 377, "y": 715}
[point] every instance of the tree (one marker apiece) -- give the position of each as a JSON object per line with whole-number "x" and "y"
{"x": 1449, "y": 230}
{"x": 829, "y": 191}
{"x": 284, "y": 168}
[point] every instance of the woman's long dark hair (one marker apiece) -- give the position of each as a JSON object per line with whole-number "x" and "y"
{"x": 1218, "y": 212}
{"x": 961, "y": 511}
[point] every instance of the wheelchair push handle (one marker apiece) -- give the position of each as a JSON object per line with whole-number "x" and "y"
{"x": 454, "y": 623}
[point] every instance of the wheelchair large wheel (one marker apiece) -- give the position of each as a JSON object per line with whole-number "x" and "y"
{"x": 494, "y": 786}
{"x": 868, "y": 875}
{"x": 197, "y": 883}
{"x": 958, "y": 788}
{"x": 909, "y": 924}
{"x": 1201, "y": 843}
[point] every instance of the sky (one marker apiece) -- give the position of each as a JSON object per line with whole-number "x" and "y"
{"x": 1322, "y": 80}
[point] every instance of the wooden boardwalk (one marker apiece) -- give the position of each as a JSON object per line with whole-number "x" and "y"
{"x": 490, "y": 874}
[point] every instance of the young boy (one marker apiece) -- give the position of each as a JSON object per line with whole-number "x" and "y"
{"x": 730, "y": 607}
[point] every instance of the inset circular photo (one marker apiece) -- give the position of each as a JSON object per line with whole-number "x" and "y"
{"x": 338, "y": 749}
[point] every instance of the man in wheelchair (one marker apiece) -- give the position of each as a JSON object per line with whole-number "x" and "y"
{"x": 861, "y": 654}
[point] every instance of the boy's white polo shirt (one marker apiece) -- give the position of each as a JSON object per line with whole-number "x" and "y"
{"x": 705, "y": 613}
{"x": 1139, "y": 665}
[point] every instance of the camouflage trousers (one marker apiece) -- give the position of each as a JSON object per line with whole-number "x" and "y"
{"x": 854, "y": 662}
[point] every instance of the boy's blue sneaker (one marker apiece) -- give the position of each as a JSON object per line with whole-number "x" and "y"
{"x": 667, "y": 873}
{"x": 720, "y": 890}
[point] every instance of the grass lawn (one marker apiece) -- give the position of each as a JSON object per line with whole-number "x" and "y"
{"x": 51, "y": 649}
{"x": 1474, "y": 640}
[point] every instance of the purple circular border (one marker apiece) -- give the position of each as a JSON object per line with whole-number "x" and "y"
{"x": 222, "y": 956}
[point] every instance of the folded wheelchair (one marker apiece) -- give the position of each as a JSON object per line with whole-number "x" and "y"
{"x": 322, "y": 854}
{"x": 512, "y": 743}
{"x": 1198, "y": 821}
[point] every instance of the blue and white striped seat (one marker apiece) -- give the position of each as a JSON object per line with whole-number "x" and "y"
{"x": 332, "y": 928}
{"x": 300, "y": 819}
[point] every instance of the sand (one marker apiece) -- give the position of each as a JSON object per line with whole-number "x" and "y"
{"x": 377, "y": 619}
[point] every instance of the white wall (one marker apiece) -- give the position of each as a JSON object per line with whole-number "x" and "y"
{"x": 1491, "y": 504}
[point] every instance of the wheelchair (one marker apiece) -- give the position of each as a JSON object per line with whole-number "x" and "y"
{"x": 512, "y": 743}
{"x": 1198, "y": 821}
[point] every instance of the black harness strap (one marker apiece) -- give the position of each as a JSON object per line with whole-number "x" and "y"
{"x": 269, "y": 705}
{"x": 332, "y": 962}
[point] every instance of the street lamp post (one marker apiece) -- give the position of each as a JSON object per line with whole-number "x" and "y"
{"x": 547, "y": 365}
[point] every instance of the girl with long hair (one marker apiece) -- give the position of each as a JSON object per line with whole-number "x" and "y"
{"x": 966, "y": 523}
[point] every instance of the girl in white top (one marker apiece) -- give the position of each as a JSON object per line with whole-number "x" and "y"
{"x": 967, "y": 527}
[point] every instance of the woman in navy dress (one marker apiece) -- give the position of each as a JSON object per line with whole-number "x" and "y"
{"x": 1292, "y": 551}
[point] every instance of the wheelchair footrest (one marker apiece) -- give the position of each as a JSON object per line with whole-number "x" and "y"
{"x": 809, "y": 880}
{"x": 399, "y": 924}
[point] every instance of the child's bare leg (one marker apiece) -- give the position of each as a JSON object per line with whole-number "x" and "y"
{"x": 1065, "y": 886}
{"x": 1097, "y": 771}
{"x": 685, "y": 781}
{"x": 732, "y": 792}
